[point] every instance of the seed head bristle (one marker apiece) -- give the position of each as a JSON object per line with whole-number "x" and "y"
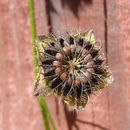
{"x": 71, "y": 69}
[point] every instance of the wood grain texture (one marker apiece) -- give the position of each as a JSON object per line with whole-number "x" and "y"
{"x": 88, "y": 15}
{"x": 19, "y": 108}
{"x": 118, "y": 58}
{"x": 110, "y": 20}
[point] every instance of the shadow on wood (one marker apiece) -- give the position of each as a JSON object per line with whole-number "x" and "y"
{"x": 75, "y": 5}
{"x": 71, "y": 118}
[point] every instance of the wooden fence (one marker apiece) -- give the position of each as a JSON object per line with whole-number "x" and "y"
{"x": 110, "y": 20}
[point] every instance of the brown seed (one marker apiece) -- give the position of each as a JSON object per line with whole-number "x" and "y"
{"x": 88, "y": 57}
{"x": 88, "y": 75}
{"x": 56, "y": 63}
{"x": 63, "y": 76}
{"x": 59, "y": 56}
{"x": 91, "y": 63}
{"x": 101, "y": 58}
{"x": 72, "y": 47}
{"x": 84, "y": 51}
{"x": 78, "y": 82}
{"x": 58, "y": 70}
{"x": 79, "y": 48}
{"x": 85, "y": 80}
{"x": 91, "y": 70}
{"x": 66, "y": 50}
{"x": 69, "y": 82}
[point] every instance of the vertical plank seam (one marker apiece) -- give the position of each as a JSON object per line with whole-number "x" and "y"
{"x": 106, "y": 29}
{"x": 106, "y": 53}
{"x": 48, "y": 17}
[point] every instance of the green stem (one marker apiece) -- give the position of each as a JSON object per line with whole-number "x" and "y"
{"x": 43, "y": 106}
{"x": 33, "y": 27}
{"x": 49, "y": 115}
{"x": 43, "y": 111}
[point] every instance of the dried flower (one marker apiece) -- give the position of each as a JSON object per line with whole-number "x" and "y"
{"x": 72, "y": 68}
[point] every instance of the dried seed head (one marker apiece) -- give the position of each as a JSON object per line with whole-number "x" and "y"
{"x": 71, "y": 69}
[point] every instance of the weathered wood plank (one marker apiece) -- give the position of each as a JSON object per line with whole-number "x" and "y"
{"x": 19, "y": 109}
{"x": 119, "y": 59}
{"x": 72, "y": 15}
{"x": 17, "y": 105}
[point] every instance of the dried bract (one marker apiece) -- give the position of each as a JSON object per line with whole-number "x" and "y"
{"x": 71, "y": 68}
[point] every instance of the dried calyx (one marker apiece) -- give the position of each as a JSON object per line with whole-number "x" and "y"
{"x": 72, "y": 69}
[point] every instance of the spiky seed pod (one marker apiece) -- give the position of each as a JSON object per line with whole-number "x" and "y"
{"x": 72, "y": 69}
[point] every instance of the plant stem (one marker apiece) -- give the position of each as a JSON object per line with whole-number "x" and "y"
{"x": 43, "y": 106}
{"x": 49, "y": 115}
{"x": 33, "y": 27}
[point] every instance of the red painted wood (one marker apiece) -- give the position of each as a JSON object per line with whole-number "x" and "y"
{"x": 119, "y": 59}
{"x": 90, "y": 15}
{"x": 18, "y": 108}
